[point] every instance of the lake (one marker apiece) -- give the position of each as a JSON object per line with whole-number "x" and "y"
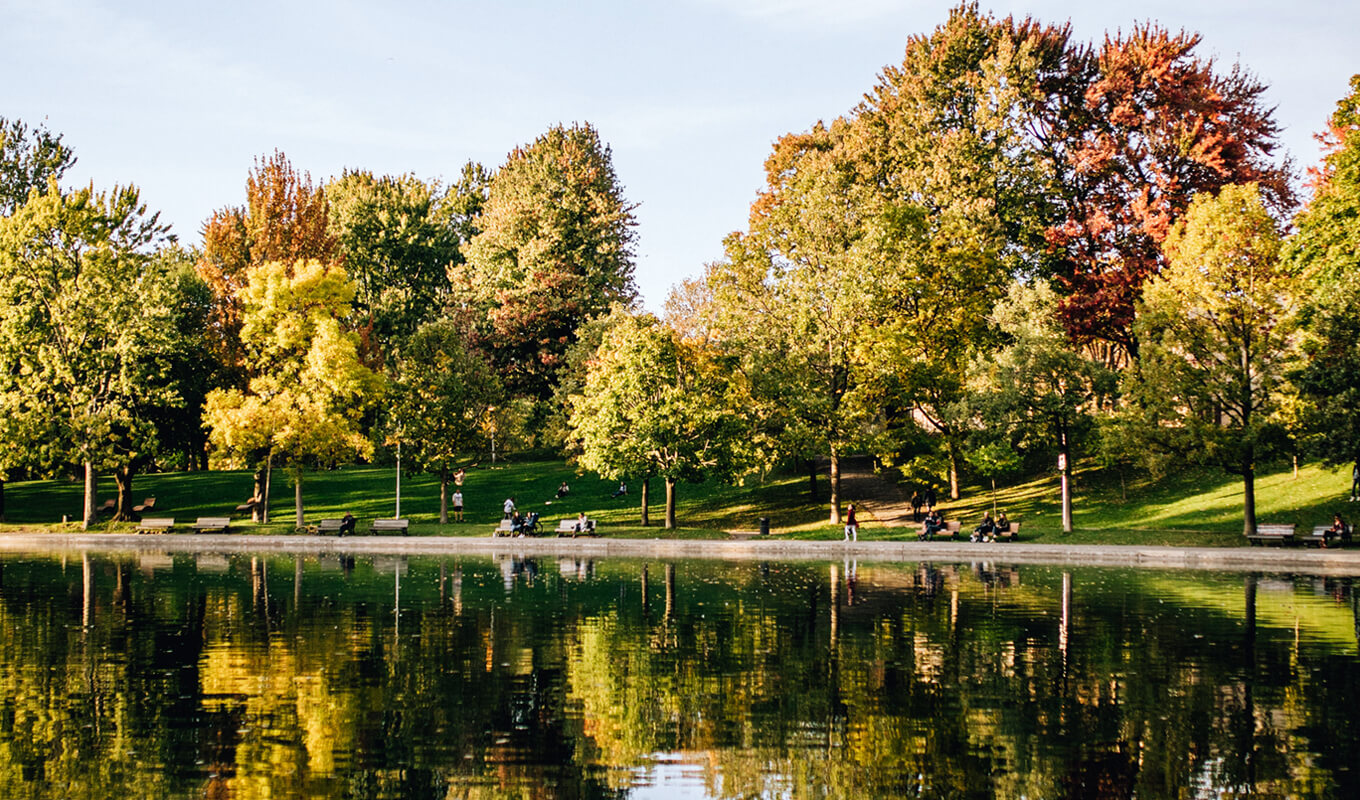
{"x": 279, "y": 676}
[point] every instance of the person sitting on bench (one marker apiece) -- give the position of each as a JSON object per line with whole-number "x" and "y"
{"x": 933, "y": 523}
{"x": 1337, "y": 532}
{"x": 347, "y": 524}
{"x": 985, "y": 531}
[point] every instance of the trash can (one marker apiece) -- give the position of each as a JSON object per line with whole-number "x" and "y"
{"x": 764, "y": 526}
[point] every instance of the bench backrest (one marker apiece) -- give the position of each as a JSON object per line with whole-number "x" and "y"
{"x": 157, "y": 522}
{"x": 327, "y": 524}
{"x": 213, "y": 522}
{"x": 391, "y": 524}
{"x": 1275, "y": 530}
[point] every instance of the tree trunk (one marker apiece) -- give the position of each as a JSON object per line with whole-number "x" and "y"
{"x": 123, "y": 507}
{"x": 2, "y": 501}
{"x": 812, "y": 479}
{"x": 670, "y": 504}
{"x": 1248, "y": 496}
{"x": 835, "y": 488}
{"x": 444, "y": 494}
{"x": 1065, "y": 472}
{"x": 297, "y": 495}
{"x": 953, "y": 471}
{"x": 264, "y": 499}
{"x": 646, "y": 500}
{"x": 257, "y": 513}
{"x": 91, "y": 498}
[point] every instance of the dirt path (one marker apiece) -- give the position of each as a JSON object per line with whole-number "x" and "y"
{"x": 878, "y": 498}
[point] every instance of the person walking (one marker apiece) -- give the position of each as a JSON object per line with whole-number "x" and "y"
{"x": 509, "y": 507}
{"x": 851, "y": 525}
{"x": 458, "y": 505}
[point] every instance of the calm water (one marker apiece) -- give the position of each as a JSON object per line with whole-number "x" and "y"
{"x": 275, "y": 677}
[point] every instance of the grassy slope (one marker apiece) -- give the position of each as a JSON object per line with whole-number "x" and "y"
{"x": 1198, "y": 507}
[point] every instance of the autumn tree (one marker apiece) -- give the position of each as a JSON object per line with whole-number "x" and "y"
{"x": 1217, "y": 333}
{"x": 795, "y": 299}
{"x": 1325, "y": 250}
{"x": 443, "y": 396}
{"x": 285, "y": 220}
{"x": 308, "y": 392}
{"x": 1142, "y": 125}
{"x": 554, "y": 248}
{"x": 86, "y": 330}
{"x": 653, "y": 406}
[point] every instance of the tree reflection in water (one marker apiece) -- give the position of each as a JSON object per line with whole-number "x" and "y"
{"x": 244, "y": 676}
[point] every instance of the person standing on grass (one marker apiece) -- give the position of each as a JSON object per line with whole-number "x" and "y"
{"x": 458, "y": 505}
{"x": 509, "y": 507}
{"x": 851, "y": 526}
{"x": 930, "y": 498}
{"x": 1355, "y": 482}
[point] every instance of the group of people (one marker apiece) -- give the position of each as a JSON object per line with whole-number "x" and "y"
{"x": 989, "y": 528}
{"x": 922, "y": 499}
{"x": 1339, "y": 532}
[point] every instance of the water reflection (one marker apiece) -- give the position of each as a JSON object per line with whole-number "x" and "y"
{"x": 283, "y": 676}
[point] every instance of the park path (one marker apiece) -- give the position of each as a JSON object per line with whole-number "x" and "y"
{"x": 878, "y": 498}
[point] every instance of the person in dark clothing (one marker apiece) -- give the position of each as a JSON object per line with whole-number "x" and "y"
{"x": 933, "y": 523}
{"x": 851, "y": 525}
{"x": 916, "y": 503}
{"x": 930, "y": 498}
{"x": 985, "y": 530}
{"x": 346, "y": 524}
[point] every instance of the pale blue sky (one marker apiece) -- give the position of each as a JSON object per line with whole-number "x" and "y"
{"x": 181, "y": 98}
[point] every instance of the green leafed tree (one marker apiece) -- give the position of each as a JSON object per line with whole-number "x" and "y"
{"x": 1037, "y": 387}
{"x": 1218, "y": 333}
{"x": 443, "y": 397}
{"x": 554, "y": 248}
{"x": 652, "y": 406}
{"x": 398, "y": 238}
{"x": 1325, "y": 250}
{"x": 308, "y": 392}
{"x": 86, "y": 331}
{"x": 29, "y": 158}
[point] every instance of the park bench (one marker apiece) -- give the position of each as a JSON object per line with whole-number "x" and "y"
{"x": 1272, "y": 534}
{"x": 505, "y": 528}
{"x": 949, "y": 531}
{"x": 212, "y": 525}
{"x": 108, "y": 507}
{"x": 327, "y": 526}
{"x": 401, "y": 526}
{"x": 1011, "y": 533}
{"x": 147, "y": 505}
{"x": 249, "y": 506}
{"x": 1318, "y": 537}
{"x": 156, "y": 525}
{"x": 571, "y": 527}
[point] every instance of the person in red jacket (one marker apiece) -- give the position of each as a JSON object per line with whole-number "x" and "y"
{"x": 851, "y": 526}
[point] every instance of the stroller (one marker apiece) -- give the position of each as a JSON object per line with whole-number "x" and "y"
{"x": 526, "y": 526}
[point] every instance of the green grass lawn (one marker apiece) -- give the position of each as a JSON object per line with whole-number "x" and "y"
{"x": 1191, "y": 507}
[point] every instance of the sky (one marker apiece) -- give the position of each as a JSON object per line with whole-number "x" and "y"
{"x": 182, "y": 98}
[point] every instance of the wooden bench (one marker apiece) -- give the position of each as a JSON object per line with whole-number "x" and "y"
{"x": 1272, "y": 534}
{"x": 156, "y": 525}
{"x": 147, "y": 504}
{"x": 212, "y": 525}
{"x": 249, "y": 506}
{"x": 1318, "y": 537}
{"x": 109, "y": 507}
{"x": 949, "y": 531}
{"x": 569, "y": 527}
{"x": 1010, "y": 534}
{"x": 327, "y": 526}
{"x": 505, "y": 528}
{"x": 402, "y": 526}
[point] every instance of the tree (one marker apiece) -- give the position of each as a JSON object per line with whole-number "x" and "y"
{"x": 86, "y": 330}
{"x": 285, "y": 220}
{"x": 1218, "y": 336}
{"x": 1037, "y": 385}
{"x": 398, "y": 238}
{"x": 1143, "y": 126}
{"x": 443, "y": 397}
{"x": 308, "y": 394}
{"x": 653, "y": 406}
{"x": 29, "y": 159}
{"x": 1325, "y": 251}
{"x": 555, "y": 248}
